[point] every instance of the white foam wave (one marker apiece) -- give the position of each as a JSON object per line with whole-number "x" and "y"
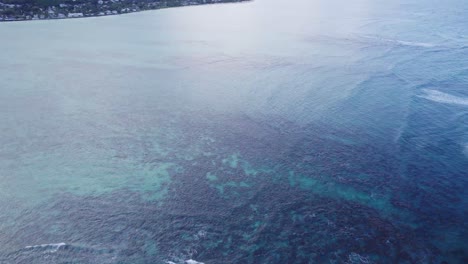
{"x": 414, "y": 44}
{"x": 402, "y": 42}
{"x": 445, "y": 98}
{"x": 191, "y": 261}
{"x": 53, "y": 247}
{"x": 355, "y": 258}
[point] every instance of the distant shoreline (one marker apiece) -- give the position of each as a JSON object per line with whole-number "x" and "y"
{"x": 62, "y": 11}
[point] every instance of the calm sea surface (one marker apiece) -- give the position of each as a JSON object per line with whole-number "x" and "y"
{"x": 273, "y": 131}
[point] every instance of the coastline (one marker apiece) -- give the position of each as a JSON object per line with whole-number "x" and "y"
{"x": 128, "y": 10}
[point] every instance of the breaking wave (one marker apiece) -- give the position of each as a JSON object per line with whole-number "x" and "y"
{"x": 414, "y": 44}
{"x": 50, "y": 247}
{"x": 445, "y": 98}
{"x": 189, "y": 261}
{"x": 401, "y": 42}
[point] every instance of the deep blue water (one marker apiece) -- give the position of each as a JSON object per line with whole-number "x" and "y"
{"x": 272, "y": 131}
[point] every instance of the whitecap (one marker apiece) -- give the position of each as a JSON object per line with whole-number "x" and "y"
{"x": 445, "y": 98}
{"x": 415, "y": 44}
{"x": 191, "y": 261}
{"x": 402, "y": 42}
{"x": 53, "y": 247}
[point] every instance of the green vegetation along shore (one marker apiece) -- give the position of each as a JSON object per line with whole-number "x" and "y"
{"x": 14, "y": 10}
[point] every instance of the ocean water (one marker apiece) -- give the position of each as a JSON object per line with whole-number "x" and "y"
{"x": 272, "y": 131}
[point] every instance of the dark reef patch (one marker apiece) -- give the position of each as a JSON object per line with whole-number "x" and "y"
{"x": 253, "y": 192}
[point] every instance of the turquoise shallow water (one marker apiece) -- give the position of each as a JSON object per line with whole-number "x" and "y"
{"x": 270, "y": 131}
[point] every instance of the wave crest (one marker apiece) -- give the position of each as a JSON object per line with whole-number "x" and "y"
{"x": 445, "y": 98}
{"x": 53, "y": 247}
